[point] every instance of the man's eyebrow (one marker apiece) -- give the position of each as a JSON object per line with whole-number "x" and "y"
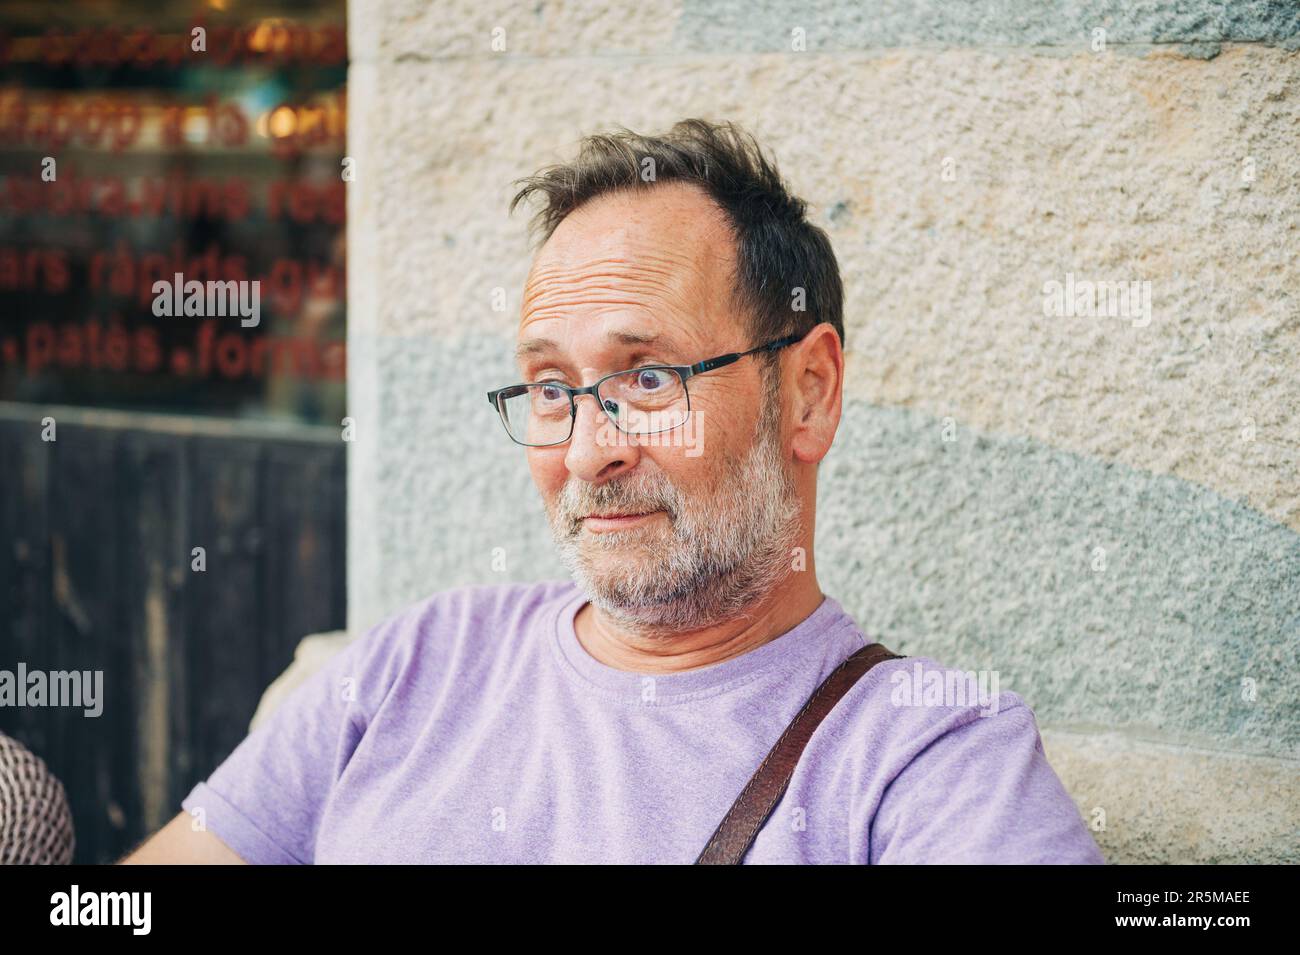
{"x": 532, "y": 346}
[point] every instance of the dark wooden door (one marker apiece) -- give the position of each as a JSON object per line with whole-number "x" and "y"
{"x": 97, "y": 573}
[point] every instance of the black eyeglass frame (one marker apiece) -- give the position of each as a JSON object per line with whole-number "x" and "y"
{"x": 683, "y": 371}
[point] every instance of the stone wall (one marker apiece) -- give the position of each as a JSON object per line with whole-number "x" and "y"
{"x": 1106, "y": 510}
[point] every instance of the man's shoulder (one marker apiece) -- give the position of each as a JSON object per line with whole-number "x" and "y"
{"x": 494, "y": 602}
{"x": 450, "y": 635}
{"x": 958, "y": 771}
{"x": 909, "y": 702}
{"x": 461, "y": 615}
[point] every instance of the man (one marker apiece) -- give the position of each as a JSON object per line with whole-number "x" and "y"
{"x": 616, "y": 718}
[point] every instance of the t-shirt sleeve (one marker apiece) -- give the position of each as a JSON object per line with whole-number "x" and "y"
{"x": 981, "y": 792}
{"x": 266, "y": 799}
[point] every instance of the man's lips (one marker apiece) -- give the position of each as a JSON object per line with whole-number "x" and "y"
{"x": 613, "y": 520}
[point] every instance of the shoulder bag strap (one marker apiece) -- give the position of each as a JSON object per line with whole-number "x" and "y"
{"x": 764, "y": 790}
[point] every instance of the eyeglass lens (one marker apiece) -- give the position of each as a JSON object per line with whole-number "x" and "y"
{"x": 639, "y": 401}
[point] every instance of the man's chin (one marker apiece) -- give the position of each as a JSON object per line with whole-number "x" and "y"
{"x": 623, "y": 600}
{"x": 618, "y": 574}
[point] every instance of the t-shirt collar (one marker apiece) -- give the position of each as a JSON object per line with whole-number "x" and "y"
{"x": 805, "y": 640}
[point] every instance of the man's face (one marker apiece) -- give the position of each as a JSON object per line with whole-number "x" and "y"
{"x": 644, "y": 278}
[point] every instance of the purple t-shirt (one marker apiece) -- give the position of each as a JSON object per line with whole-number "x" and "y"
{"x": 473, "y": 727}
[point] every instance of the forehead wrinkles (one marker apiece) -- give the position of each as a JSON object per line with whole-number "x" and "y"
{"x": 610, "y": 281}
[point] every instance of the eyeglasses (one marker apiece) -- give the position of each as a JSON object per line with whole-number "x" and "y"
{"x": 640, "y": 401}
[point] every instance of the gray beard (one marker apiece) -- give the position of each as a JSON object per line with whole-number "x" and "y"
{"x": 725, "y": 552}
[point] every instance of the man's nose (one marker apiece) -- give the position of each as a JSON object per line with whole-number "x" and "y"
{"x": 597, "y": 450}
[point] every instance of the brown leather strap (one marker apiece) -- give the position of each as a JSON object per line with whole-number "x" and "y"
{"x": 736, "y": 833}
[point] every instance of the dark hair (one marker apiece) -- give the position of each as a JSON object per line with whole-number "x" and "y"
{"x": 777, "y": 248}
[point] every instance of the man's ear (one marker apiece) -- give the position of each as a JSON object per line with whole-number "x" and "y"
{"x": 816, "y": 370}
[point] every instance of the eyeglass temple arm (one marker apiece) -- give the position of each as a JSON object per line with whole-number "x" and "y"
{"x": 701, "y": 366}
{"x": 711, "y": 363}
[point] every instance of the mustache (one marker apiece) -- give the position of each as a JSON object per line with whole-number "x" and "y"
{"x": 577, "y": 499}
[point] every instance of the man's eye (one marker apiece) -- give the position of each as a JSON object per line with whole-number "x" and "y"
{"x": 651, "y": 379}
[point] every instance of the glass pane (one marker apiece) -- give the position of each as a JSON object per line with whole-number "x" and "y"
{"x": 185, "y": 253}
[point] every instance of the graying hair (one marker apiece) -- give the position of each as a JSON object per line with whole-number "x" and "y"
{"x": 777, "y": 249}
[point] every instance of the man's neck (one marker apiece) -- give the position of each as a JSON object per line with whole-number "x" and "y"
{"x": 780, "y": 612}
